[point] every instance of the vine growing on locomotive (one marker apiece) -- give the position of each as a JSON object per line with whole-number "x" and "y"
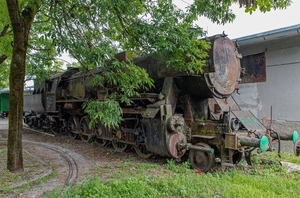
{"x": 181, "y": 114}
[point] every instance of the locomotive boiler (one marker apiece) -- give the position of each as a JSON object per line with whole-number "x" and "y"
{"x": 183, "y": 115}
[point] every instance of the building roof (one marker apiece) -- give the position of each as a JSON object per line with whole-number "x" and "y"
{"x": 269, "y": 35}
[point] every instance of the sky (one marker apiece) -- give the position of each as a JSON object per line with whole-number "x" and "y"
{"x": 246, "y": 24}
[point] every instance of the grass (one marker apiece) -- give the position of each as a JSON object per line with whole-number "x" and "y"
{"x": 130, "y": 178}
{"x": 172, "y": 180}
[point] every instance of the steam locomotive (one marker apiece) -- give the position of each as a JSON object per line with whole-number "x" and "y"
{"x": 184, "y": 115}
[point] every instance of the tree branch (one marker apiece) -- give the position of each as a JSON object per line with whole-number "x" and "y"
{"x": 3, "y": 58}
{"x": 4, "y": 31}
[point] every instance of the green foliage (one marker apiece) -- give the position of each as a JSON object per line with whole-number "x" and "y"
{"x": 94, "y": 31}
{"x": 183, "y": 168}
{"x": 4, "y": 75}
{"x": 126, "y": 79}
{"x": 6, "y": 38}
{"x": 141, "y": 26}
{"x": 265, "y": 5}
{"x": 108, "y": 111}
{"x": 41, "y": 51}
{"x": 218, "y": 11}
{"x": 41, "y": 58}
{"x": 122, "y": 81}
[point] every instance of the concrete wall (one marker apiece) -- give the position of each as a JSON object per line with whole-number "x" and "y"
{"x": 282, "y": 89}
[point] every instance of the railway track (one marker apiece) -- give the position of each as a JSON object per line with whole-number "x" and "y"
{"x": 71, "y": 164}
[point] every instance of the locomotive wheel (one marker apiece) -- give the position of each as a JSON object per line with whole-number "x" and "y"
{"x": 86, "y": 134}
{"x": 142, "y": 151}
{"x": 201, "y": 160}
{"x": 119, "y": 146}
{"x": 102, "y": 142}
{"x": 53, "y": 127}
{"x": 73, "y": 127}
{"x": 101, "y": 132}
{"x": 236, "y": 157}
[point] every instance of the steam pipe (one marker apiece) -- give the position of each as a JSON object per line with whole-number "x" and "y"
{"x": 262, "y": 143}
{"x": 286, "y": 136}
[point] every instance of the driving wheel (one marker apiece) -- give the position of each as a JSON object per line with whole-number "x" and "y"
{"x": 117, "y": 142}
{"x": 142, "y": 151}
{"x": 73, "y": 127}
{"x": 100, "y": 130}
{"x": 86, "y": 134}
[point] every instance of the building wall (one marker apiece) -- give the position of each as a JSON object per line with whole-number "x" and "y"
{"x": 281, "y": 91}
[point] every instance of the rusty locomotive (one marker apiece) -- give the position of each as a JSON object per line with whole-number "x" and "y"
{"x": 184, "y": 115}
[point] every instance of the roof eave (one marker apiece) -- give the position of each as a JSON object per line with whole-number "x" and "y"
{"x": 269, "y": 35}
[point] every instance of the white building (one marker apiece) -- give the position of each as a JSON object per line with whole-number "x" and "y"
{"x": 281, "y": 91}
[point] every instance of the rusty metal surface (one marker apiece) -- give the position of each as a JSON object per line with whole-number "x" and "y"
{"x": 76, "y": 89}
{"x": 254, "y": 68}
{"x": 80, "y": 83}
{"x": 71, "y": 101}
{"x": 133, "y": 111}
{"x": 173, "y": 145}
{"x": 228, "y": 103}
{"x": 193, "y": 85}
{"x": 170, "y": 92}
{"x": 150, "y": 112}
{"x": 221, "y": 77}
{"x": 70, "y": 106}
{"x": 34, "y": 103}
{"x": 153, "y": 109}
{"x": 51, "y": 102}
{"x": 156, "y": 138}
{"x": 231, "y": 141}
{"x": 250, "y": 122}
{"x": 226, "y": 61}
{"x": 207, "y": 128}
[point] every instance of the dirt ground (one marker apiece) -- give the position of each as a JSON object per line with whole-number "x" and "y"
{"x": 61, "y": 161}
{"x": 51, "y": 162}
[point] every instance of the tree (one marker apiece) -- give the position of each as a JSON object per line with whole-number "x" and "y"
{"x": 94, "y": 31}
{"x": 21, "y": 24}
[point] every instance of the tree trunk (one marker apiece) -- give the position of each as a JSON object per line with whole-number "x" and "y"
{"x": 21, "y": 26}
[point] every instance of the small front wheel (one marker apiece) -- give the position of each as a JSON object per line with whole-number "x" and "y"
{"x": 202, "y": 160}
